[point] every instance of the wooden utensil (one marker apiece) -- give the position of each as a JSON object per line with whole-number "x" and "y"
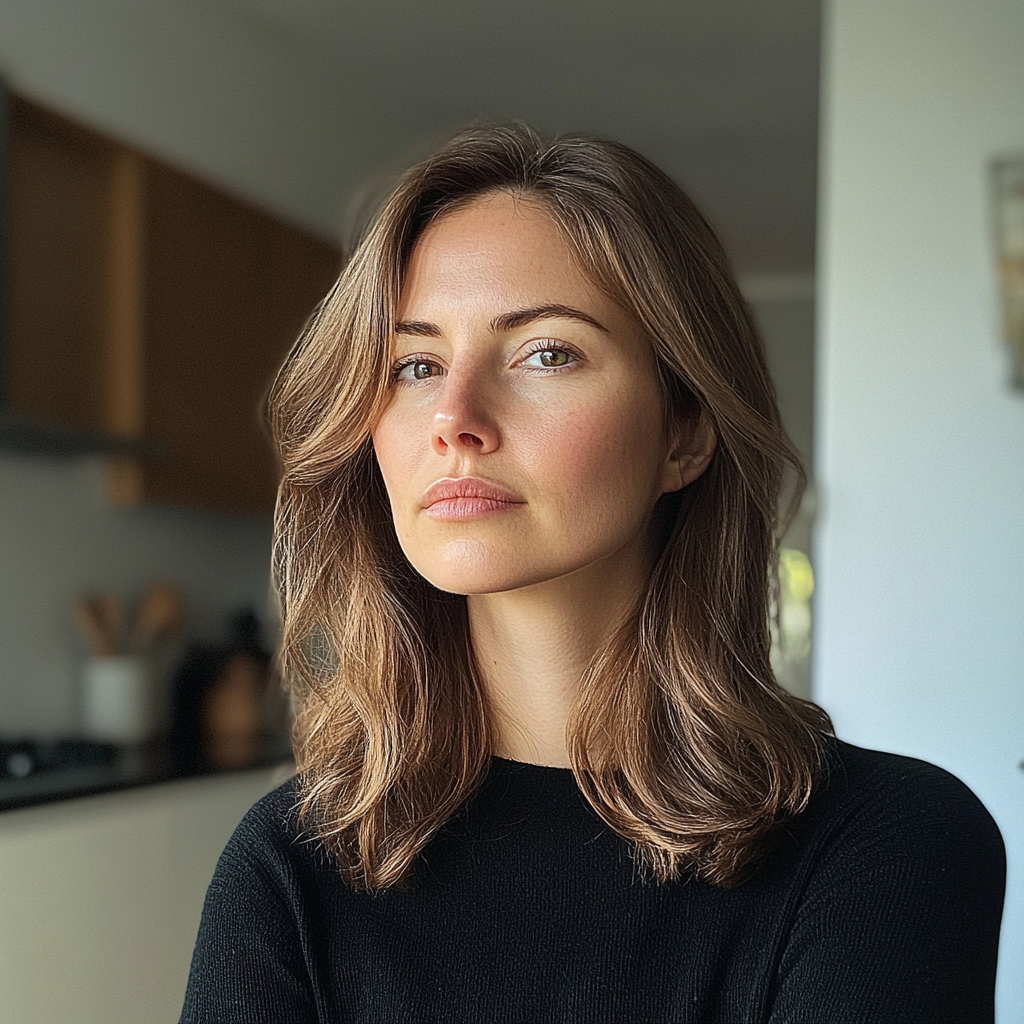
{"x": 111, "y": 612}
{"x": 99, "y": 621}
{"x": 89, "y": 625}
{"x": 160, "y": 614}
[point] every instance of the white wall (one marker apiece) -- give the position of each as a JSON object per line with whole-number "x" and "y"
{"x": 920, "y": 443}
{"x": 787, "y": 326}
{"x": 102, "y": 896}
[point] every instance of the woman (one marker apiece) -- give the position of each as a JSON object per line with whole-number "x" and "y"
{"x": 525, "y": 549}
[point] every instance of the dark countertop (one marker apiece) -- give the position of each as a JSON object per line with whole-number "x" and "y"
{"x": 121, "y": 768}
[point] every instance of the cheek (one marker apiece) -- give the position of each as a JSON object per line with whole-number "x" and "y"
{"x": 397, "y": 460}
{"x": 393, "y": 442}
{"x": 602, "y": 461}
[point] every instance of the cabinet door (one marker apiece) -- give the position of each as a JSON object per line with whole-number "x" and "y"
{"x": 58, "y": 268}
{"x": 147, "y": 304}
{"x": 226, "y": 290}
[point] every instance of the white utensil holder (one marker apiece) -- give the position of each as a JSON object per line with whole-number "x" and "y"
{"x": 116, "y": 705}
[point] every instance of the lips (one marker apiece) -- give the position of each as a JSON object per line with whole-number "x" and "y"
{"x": 467, "y": 497}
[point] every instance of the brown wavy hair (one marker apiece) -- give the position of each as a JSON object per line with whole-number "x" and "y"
{"x": 680, "y": 738}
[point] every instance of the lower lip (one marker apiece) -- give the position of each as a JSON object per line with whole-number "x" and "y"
{"x": 469, "y": 508}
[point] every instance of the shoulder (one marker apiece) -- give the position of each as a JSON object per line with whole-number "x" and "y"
{"x": 274, "y": 815}
{"x": 250, "y": 958}
{"x": 896, "y": 874}
{"x": 874, "y": 806}
{"x": 268, "y": 840}
{"x": 898, "y": 786}
{"x": 272, "y": 819}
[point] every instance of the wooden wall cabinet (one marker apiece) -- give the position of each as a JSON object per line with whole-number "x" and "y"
{"x": 144, "y": 303}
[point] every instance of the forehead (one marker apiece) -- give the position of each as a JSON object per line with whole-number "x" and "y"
{"x": 498, "y": 249}
{"x": 496, "y": 217}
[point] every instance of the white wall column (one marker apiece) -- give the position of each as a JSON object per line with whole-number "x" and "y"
{"x": 920, "y": 442}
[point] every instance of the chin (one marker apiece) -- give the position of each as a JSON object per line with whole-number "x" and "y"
{"x": 468, "y": 581}
{"x": 473, "y": 567}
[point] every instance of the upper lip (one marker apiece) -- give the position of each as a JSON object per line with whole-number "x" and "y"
{"x": 467, "y": 487}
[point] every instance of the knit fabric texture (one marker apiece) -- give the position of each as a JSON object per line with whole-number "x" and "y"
{"x": 879, "y": 903}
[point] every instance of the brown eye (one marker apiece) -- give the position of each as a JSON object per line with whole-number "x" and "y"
{"x": 554, "y": 357}
{"x": 420, "y": 369}
{"x": 550, "y": 358}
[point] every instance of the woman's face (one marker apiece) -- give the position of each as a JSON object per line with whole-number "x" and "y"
{"x": 523, "y": 440}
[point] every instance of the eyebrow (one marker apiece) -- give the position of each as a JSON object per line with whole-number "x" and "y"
{"x": 507, "y": 321}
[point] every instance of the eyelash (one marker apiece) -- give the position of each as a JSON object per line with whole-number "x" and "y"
{"x": 538, "y": 346}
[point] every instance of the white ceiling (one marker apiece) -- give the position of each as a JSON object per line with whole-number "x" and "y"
{"x": 721, "y": 93}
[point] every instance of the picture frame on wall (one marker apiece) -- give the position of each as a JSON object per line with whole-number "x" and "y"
{"x": 1008, "y": 209}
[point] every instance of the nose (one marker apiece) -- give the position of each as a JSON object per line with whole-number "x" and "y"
{"x": 463, "y": 419}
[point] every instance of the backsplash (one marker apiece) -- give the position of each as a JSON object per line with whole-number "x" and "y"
{"x": 60, "y": 537}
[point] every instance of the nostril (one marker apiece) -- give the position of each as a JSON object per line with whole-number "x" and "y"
{"x": 471, "y": 439}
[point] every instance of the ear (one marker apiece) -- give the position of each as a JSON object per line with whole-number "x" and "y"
{"x": 692, "y": 443}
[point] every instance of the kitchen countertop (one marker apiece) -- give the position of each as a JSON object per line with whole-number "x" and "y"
{"x": 130, "y": 768}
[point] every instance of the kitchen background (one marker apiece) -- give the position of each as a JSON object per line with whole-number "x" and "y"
{"x": 300, "y": 108}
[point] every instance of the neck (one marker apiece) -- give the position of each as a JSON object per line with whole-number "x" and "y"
{"x": 533, "y": 645}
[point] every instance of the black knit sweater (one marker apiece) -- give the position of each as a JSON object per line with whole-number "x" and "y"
{"x": 881, "y": 903}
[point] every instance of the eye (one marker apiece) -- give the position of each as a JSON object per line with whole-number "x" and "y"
{"x": 417, "y": 369}
{"x": 550, "y": 357}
